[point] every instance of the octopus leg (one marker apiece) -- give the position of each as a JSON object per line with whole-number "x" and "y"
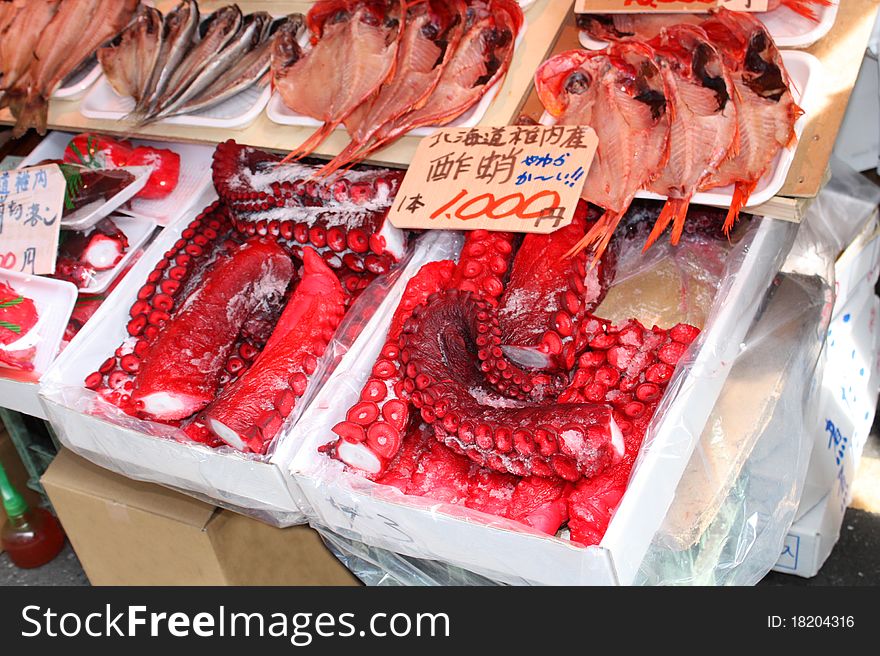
{"x": 180, "y": 372}
{"x": 438, "y": 354}
{"x": 248, "y": 414}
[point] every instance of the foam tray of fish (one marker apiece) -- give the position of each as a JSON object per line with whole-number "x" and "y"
{"x": 536, "y": 431}
{"x": 186, "y": 69}
{"x": 218, "y": 336}
{"x": 792, "y": 24}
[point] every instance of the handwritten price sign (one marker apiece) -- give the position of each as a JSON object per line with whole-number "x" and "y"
{"x": 665, "y": 6}
{"x": 515, "y": 178}
{"x": 31, "y": 202}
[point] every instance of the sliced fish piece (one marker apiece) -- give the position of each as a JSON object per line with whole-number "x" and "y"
{"x": 703, "y": 127}
{"x": 75, "y": 32}
{"x": 129, "y": 59}
{"x": 354, "y": 50}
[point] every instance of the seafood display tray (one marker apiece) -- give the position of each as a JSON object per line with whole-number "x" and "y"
{"x": 424, "y": 528}
{"x": 54, "y": 300}
{"x": 788, "y": 28}
{"x": 192, "y": 187}
{"x": 280, "y": 113}
{"x": 77, "y": 88}
{"x": 234, "y": 114}
{"x": 807, "y": 77}
{"x": 226, "y": 477}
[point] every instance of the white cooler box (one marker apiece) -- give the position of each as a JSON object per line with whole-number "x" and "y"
{"x": 383, "y": 517}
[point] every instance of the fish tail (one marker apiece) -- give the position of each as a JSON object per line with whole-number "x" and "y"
{"x": 309, "y": 145}
{"x": 599, "y": 235}
{"x": 347, "y": 154}
{"x": 803, "y": 7}
{"x": 29, "y": 112}
{"x": 741, "y": 192}
{"x": 672, "y": 210}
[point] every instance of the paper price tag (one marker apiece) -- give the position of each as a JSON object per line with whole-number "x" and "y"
{"x": 518, "y": 178}
{"x": 31, "y": 202}
{"x": 665, "y": 6}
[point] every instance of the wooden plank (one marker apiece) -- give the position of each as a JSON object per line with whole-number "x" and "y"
{"x": 545, "y": 19}
{"x": 841, "y": 53}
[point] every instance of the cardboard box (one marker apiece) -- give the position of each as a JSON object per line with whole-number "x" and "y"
{"x": 132, "y": 533}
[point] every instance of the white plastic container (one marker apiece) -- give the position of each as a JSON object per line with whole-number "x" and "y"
{"x": 806, "y": 81}
{"x": 77, "y": 88}
{"x": 54, "y": 300}
{"x": 788, "y": 28}
{"x": 383, "y": 517}
{"x": 236, "y": 113}
{"x": 138, "y": 232}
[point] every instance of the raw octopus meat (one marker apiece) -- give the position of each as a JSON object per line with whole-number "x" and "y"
{"x": 82, "y": 254}
{"x": 228, "y": 331}
{"x": 715, "y": 83}
{"x": 611, "y": 27}
{"x": 18, "y": 316}
{"x": 383, "y": 68}
{"x": 532, "y": 409}
{"x": 343, "y": 218}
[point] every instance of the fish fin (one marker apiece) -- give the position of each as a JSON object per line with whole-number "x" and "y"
{"x": 30, "y": 112}
{"x": 741, "y": 192}
{"x": 348, "y": 155}
{"x": 673, "y": 208}
{"x": 599, "y": 235}
{"x": 309, "y": 145}
{"x": 803, "y": 8}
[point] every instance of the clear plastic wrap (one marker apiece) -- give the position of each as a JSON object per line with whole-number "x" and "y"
{"x": 422, "y": 529}
{"x": 151, "y": 451}
{"x": 739, "y": 492}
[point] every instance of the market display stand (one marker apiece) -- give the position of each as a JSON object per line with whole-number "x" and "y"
{"x": 841, "y": 52}
{"x": 545, "y": 19}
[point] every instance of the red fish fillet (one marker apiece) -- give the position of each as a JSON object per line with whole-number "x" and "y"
{"x": 621, "y": 95}
{"x": 354, "y": 54}
{"x": 480, "y": 61}
{"x": 248, "y": 414}
{"x": 180, "y": 373}
{"x": 18, "y": 315}
{"x": 433, "y": 30}
{"x": 703, "y": 126}
{"x": 766, "y": 111}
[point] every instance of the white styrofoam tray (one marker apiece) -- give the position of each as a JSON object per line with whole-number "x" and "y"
{"x": 280, "y": 113}
{"x": 788, "y": 28}
{"x": 138, "y": 232}
{"x": 76, "y": 89}
{"x": 415, "y": 526}
{"x": 806, "y": 82}
{"x": 236, "y": 113}
{"x": 192, "y": 186}
{"x": 226, "y": 477}
{"x": 54, "y": 300}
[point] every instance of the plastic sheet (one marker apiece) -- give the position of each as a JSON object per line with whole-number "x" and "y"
{"x": 151, "y": 451}
{"x": 419, "y": 528}
{"x": 738, "y": 494}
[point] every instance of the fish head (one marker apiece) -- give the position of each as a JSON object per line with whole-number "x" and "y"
{"x": 566, "y": 75}
{"x": 224, "y": 21}
{"x": 638, "y": 72}
{"x": 689, "y": 50}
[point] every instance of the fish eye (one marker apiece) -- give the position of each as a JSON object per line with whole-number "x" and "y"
{"x": 577, "y": 83}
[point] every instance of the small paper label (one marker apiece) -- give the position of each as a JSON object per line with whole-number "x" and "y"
{"x": 665, "y": 6}
{"x": 518, "y": 178}
{"x": 31, "y": 202}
